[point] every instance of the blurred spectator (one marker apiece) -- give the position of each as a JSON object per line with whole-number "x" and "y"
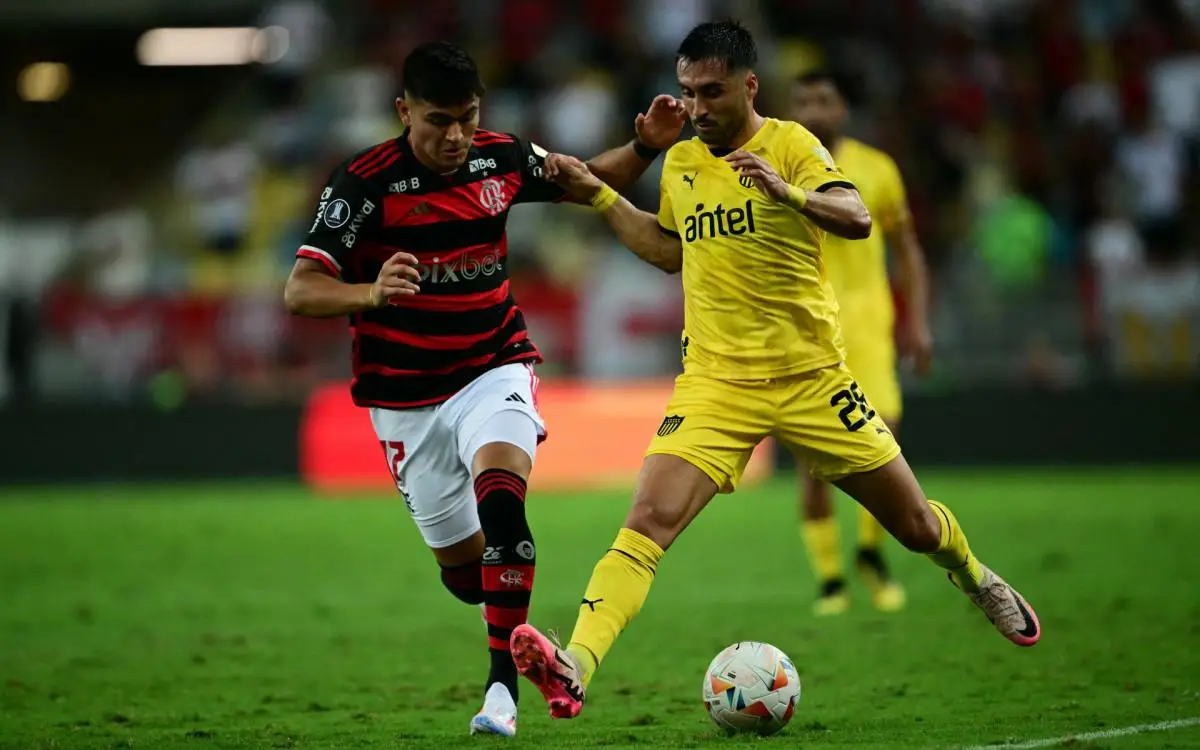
{"x": 299, "y": 50}
{"x": 216, "y": 182}
{"x": 1175, "y": 83}
{"x": 113, "y": 252}
{"x": 1153, "y": 159}
{"x": 1010, "y": 119}
{"x": 1115, "y": 250}
{"x": 1014, "y": 239}
{"x": 579, "y": 112}
{"x": 32, "y": 256}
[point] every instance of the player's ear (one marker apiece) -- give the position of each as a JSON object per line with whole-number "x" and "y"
{"x": 751, "y": 84}
{"x": 403, "y": 111}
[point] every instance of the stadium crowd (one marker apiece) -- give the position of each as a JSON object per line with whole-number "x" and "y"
{"x": 1050, "y": 151}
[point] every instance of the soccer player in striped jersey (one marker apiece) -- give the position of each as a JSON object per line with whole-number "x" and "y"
{"x": 409, "y": 243}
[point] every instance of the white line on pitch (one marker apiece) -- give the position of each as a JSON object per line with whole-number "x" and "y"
{"x": 1162, "y": 726}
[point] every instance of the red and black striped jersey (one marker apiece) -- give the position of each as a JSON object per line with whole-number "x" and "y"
{"x": 425, "y": 348}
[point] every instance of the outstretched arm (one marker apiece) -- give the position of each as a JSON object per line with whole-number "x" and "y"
{"x": 622, "y": 166}
{"x": 657, "y": 128}
{"x": 637, "y": 230}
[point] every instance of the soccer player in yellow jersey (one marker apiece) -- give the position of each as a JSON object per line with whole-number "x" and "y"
{"x": 857, "y": 271}
{"x": 744, "y": 211}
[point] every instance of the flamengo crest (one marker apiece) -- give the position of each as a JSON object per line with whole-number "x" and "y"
{"x": 491, "y": 196}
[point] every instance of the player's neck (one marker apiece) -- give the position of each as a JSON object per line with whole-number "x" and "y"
{"x": 424, "y": 163}
{"x": 753, "y": 124}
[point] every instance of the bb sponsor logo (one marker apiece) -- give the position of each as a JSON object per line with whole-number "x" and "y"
{"x": 405, "y": 186}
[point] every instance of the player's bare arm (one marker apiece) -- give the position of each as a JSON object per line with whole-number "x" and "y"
{"x": 917, "y": 341}
{"x": 312, "y": 292}
{"x": 637, "y": 230}
{"x": 838, "y": 210}
{"x": 657, "y": 128}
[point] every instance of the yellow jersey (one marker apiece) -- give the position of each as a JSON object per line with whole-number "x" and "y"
{"x": 757, "y": 303}
{"x": 858, "y": 268}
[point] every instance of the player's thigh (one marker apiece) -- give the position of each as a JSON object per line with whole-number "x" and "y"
{"x": 423, "y": 459}
{"x": 671, "y": 492}
{"x": 893, "y": 495}
{"x": 714, "y": 425}
{"x": 496, "y": 422}
{"x": 830, "y": 424}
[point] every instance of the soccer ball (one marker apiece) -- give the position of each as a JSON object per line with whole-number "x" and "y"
{"x": 751, "y": 687}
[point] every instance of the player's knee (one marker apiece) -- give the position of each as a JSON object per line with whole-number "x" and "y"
{"x": 465, "y": 582}
{"x": 501, "y": 454}
{"x": 920, "y": 531}
{"x": 659, "y": 522}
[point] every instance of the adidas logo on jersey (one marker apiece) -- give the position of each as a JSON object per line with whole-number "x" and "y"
{"x": 515, "y": 397}
{"x": 719, "y": 222}
{"x": 420, "y": 209}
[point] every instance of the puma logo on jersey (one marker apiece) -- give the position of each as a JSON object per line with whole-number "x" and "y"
{"x": 719, "y": 222}
{"x": 691, "y": 181}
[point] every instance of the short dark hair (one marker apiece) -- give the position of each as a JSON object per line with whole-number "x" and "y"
{"x": 442, "y": 74}
{"x": 726, "y": 41}
{"x": 848, "y": 86}
{"x": 820, "y": 75}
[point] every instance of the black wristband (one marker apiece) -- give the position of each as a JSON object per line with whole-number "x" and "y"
{"x": 644, "y": 151}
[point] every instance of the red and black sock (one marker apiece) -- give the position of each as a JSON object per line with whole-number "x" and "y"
{"x": 508, "y": 566}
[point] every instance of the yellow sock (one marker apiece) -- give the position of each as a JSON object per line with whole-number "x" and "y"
{"x": 824, "y": 544}
{"x": 870, "y": 533}
{"x": 953, "y": 553}
{"x": 615, "y": 594}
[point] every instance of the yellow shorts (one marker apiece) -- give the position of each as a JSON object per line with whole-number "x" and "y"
{"x": 822, "y": 416}
{"x": 874, "y": 367}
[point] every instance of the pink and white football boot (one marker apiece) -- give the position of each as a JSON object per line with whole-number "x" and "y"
{"x": 552, "y": 669}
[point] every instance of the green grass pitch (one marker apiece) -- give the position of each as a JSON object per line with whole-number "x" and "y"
{"x": 254, "y": 616}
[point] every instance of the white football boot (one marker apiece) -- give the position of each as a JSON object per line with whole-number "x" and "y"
{"x": 498, "y": 715}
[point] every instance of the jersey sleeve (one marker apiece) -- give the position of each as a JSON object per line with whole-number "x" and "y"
{"x": 666, "y": 212}
{"x": 534, "y": 187}
{"x": 349, "y": 207}
{"x": 893, "y": 199}
{"x": 813, "y": 166}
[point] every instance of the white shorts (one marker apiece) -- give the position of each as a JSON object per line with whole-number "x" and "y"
{"x": 429, "y": 451}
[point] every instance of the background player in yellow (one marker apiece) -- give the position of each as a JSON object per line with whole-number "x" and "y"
{"x": 744, "y": 211}
{"x": 858, "y": 271}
